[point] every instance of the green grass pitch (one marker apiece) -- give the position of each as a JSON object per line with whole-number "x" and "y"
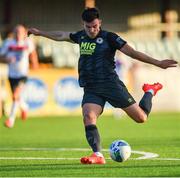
{"x": 34, "y": 148}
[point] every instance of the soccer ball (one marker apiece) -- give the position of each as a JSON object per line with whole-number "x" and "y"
{"x": 120, "y": 150}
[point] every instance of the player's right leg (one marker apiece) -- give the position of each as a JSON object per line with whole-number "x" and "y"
{"x": 16, "y": 88}
{"x": 11, "y": 119}
{"x": 91, "y": 110}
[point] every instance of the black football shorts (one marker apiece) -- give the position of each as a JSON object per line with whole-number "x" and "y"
{"x": 14, "y": 82}
{"x": 117, "y": 95}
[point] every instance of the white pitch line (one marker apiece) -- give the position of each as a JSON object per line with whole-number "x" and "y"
{"x": 146, "y": 155}
{"x": 167, "y": 159}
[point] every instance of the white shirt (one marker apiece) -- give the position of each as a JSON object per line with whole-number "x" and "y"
{"x": 21, "y": 51}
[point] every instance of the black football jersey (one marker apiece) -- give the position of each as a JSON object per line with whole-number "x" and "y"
{"x": 96, "y": 63}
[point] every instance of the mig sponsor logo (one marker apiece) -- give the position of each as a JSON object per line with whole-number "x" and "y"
{"x": 87, "y": 48}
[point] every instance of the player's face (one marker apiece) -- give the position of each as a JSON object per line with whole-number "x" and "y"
{"x": 92, "y": 28}
{"x": 20, "y": 33}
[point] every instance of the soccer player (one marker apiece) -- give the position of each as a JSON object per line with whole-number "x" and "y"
{"x": 99, "y": 79}
{"x": 16, "y": 52}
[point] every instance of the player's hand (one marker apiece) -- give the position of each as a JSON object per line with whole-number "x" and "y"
{"x": 33, "y": 31}
{"x": 11, "y": 60}
{"x": 164, "y": 64}
{"x": 34, "y": 66}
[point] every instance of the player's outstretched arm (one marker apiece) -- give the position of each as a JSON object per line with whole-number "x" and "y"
{"x": 34, "y": 59}
{"x": 53, "y": 35}
{"x": 164, "y": 64}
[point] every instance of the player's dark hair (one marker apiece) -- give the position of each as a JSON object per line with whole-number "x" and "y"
{"x": 89, "y": 14}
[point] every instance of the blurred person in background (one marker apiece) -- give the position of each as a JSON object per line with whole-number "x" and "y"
{"x": 16, "y": 52}
{"x": 99, "y": 79}
{"x": 8, "y": 34}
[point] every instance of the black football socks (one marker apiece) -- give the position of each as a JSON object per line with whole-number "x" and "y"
{"x": 146, "y": 102}
{"x": 93, "y": 138}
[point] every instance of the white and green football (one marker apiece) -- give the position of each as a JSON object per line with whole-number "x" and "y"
{"x": 120, "y": 150}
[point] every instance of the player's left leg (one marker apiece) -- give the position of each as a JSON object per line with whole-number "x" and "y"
{"x": 22, "y": 104}
{"x": 141, "y": 112}
{"x": 17, "y": 86}
{"x": 136, "y": 113}
{"x": 15, "y": 98}
{"x": 24, "y": 109}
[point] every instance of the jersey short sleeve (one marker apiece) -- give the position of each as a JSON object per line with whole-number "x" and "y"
{"x": 115, "y": 41}
{"x": 75, "y": 37}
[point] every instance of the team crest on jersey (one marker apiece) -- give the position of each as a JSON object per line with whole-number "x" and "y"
{"x": 99, "y": 40}
{"x": 119, "y": 40}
